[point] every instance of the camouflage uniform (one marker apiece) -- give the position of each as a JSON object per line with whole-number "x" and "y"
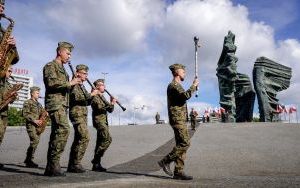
{"x": 31, "y": 111}
{"x": 79, "y": 100}
{"x": 100, "y": 108}
{"x": 4, "y": 87}
{"x": 193, "y": 115}
{"x": 13, "y": 56}
{"x": 177, "y": 111}
{"x": 57, "y": 86}
{"x": 4, "y": 84}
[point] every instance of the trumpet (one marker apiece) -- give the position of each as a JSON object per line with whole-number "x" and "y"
{"x": 89, "y": 82}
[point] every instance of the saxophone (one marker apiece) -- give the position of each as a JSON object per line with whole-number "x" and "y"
{"x": 10, "y": 95}
{"x": 44, "y": 117}
{"x": 8, "y": 54}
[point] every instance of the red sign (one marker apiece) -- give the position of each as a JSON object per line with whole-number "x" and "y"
{"x": 20, "y": 71}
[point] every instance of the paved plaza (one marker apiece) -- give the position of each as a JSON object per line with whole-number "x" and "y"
{"x": 221, "y": 155}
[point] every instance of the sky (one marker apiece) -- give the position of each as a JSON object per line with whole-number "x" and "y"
{"x": 135, "y": 41}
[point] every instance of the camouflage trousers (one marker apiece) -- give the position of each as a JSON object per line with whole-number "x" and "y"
{"x": 34, "y": 141}
{"x": 193, "y": 123}
{"x": 60, "y": 130}
{"x": 103, "y": 141}
{"x": 3, "y": 125}
{"x": 81, "y": 140}
{"x": 178, "y": 154}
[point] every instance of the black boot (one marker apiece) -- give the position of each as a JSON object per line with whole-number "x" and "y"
{"x": 166, "y": 167}
{"x": 97, "y": 165}
{"x": 182, "y": 176}
{"x": 98, "y": 168}
{"x": 75, "y": 168}
{"x": 29, "y": 156}
{"x": 1, "y": 165}
{"x": 30, "y": 164}
{"x": 53, "y": 170}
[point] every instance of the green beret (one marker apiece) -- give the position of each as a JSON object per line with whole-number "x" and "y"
{"x": 66, "y": 45}
{"x": 99, "y": 80}
{"x": 2, "y": 2}
{"x": 176, "y": 66}
{"x": 82, "y": 67}
{"x": 34, "y": 88}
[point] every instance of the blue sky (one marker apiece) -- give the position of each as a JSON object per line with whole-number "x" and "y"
{"x": 283, "y": 16}
{"x": 136, "y": 41}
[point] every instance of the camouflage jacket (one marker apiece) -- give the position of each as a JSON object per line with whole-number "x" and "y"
{"x": 32, "y": 110}
{"x": 57, "y": 86}
{"x": 177, "y": 97}
{"x": 79, "y": 100}
{"x": 4, "y": 87}
{"x": 100, "y": 107}
{"x": 193, "y": 115}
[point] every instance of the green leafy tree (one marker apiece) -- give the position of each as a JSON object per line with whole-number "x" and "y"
{"x": 255, "y": 119}
{"x": 15, "y": 117}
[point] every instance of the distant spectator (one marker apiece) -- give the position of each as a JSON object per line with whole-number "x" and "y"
{"x": 157, "y": 118}
{"x": 193, "y": 116}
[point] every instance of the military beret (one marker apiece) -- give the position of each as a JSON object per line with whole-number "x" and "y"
{"x": 34, "y": 88}
{"x": 82, "y": 67}
{"x": 66, "y": 45}
{"x": 176, "y": 66}
{"x": 2, "y": 2}
{"x": 99, "y": 80}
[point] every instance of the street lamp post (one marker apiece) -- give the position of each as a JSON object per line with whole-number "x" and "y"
{"x": 136, "y": 108}
{"x": 104, "y": 74}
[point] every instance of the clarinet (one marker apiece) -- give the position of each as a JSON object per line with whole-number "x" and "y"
{"x": 73, "y": 73}
{"x": 89, "y": 82}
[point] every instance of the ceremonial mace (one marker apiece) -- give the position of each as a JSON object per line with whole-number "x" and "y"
{"x": 196, "y": 40}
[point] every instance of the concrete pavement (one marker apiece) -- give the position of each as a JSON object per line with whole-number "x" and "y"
{"x": 221, "y": 155}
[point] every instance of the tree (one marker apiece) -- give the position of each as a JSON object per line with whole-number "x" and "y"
{"x": 15, "y": 117}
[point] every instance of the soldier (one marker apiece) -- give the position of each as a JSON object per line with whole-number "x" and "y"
{"x": 79, "y": 100}
{"x": 100, "y": 107}
{"x": 32, "y": 110}
{"x": 193, "y": 116}
{"x": 4, "y": 87}
{"x": 157, "y": 118}
{"x": 177, "y": 98}
{"x": 58, "y": 86}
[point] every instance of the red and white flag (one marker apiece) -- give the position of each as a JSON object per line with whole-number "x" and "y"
{"x": 292, "y": 109}
{"x": 217, "y": 111}
{"x": 279, "y": 109}
{"x": 222, "y": 110}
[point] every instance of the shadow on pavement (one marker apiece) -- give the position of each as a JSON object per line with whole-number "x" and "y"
{"x": 147, "y": 163}
{"x": 18, "y": 170}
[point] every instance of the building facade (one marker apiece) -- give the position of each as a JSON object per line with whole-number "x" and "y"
{"x": 24, "y": 93}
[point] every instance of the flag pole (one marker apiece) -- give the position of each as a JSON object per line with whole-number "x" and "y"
{"x": 289, "y": 116}
{"x": 297, "y": 113}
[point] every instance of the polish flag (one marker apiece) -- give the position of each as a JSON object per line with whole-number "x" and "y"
{"x": 217, "y": 110}
{"x": 279, "y": 109}
{"x": 222, "y": 110}
{"x": 209, "y": 110}
{"x": 292, "y": 109}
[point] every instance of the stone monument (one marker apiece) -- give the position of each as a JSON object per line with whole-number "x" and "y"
{"x": 269, "y": 78}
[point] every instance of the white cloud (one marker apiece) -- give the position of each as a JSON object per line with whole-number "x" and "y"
{"x": 135, "y": 41}
{"x": 211, "y": 20}
{"x": 107, "y": 27}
